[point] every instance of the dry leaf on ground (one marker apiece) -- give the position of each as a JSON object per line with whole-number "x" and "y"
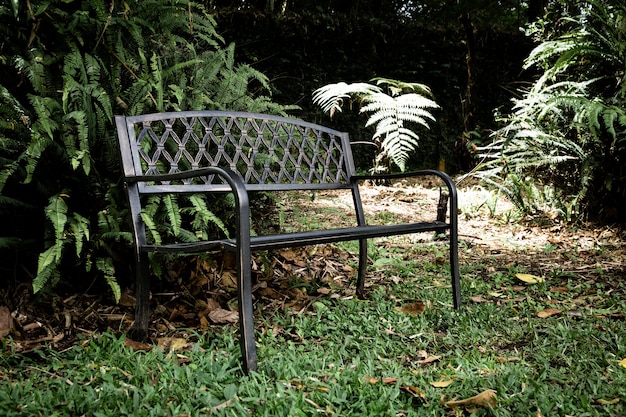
{"x": 137, "y": 346}
{"x": 414, "y": 391}
{"x": 548, "y": 312}
{"x": 487, "y": 399}
{"x": 426, "y": 358}
{"x": 373, "y": 380}
{"x": 172, "y": 343}
{"x": 529, "y": 278}
{"x": 413, "y": 309}
{"x": 221, "y": 316}
{"x": 442, "y": 384}
{"x": 609, "y": 402}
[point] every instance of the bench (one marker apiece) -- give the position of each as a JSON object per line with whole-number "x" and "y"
{"x": 240, "y": 153}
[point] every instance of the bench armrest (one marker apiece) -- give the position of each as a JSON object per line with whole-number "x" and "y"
{"x": 445, "y": 177}
{"x": 441, "y": 209}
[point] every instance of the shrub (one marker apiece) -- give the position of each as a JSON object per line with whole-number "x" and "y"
{"x": 68, "y": 68}
{"x": 564, "y": 143}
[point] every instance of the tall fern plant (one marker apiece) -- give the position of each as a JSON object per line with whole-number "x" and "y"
{"x": 63, "y": 79}
{"x": 394, "y": 111}
{"x": 566, "y": 136}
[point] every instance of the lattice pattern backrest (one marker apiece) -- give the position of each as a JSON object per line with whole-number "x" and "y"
{"x": 263, "y": 149}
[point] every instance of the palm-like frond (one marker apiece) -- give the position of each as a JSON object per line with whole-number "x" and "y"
{"x": 391, "y": 114}
{"x": 332, "y": 97}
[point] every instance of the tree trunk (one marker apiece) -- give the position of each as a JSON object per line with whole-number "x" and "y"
{"x": 463, "y": 154}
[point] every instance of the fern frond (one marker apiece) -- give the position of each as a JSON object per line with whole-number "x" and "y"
{"x": 203, "y": 216}
{"x": 152, "y": 228}
{"x": 48, "y": 275}
{"x": 332, "y": 97}
{"x": 105, "y": 265}
{"x": 173, "y": 213}
{"x": 79, "y": 228}
{"x": 56, "y": 212}
{"x": 397, "y": 87}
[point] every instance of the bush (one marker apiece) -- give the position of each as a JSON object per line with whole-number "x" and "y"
{"x": 564, "y": 144}
{"x": 68, "y": 68}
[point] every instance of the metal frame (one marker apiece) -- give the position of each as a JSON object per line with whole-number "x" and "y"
{"x": 240, "y": 152}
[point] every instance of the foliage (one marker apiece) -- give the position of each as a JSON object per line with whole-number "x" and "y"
{"x": 364, "y": 358}
{"x": 69, "y": 66}
{"x": 405, "y": 103}
{"x": 568, "y": 130}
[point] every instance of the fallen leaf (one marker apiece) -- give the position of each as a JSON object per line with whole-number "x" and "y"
{"x": 609, "y": 402}
{"x": 222, "y": 405}
{"x": 137, "y": 346}
{"x": 479, "y": 299}
{"x": 414, "y": 391}
{"x": 426, "y": 357}
{"x": 487, "y": 399}
{"x": 442, "y": 384}
{"x": 548, "y": 312}
{"x": 127, "y": 300}
{"x": 221, "y": 316}
{"x": 371, "y": 379}
{"x": 623, "y": 362}
{"x": 288, "y": 254}
{"x": 204, "y": 323}
{"x": 529, "y": 278}
{"x": 413, "y": 309}
{"x": 502, "y": 359}
{"x": 388, "y": 380}
{"x": 228, "y": 280}
{"x": 171, "y": 343}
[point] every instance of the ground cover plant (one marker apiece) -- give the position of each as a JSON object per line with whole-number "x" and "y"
{"x": 541, "y": 332}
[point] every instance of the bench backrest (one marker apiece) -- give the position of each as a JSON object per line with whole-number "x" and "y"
{"x": 270, "y": 152}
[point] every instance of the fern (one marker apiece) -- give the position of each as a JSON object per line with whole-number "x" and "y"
{"x": 56, "y": 212}
{"x": 105, "y": 266}
{"x": 79, "y": 227}
{"x": 566, "y": 133}
{"x": 203, "y": 217}
{"x": 173, "y": 214}
{"x": 391, "y": 114}
{"x": 57, "y": 143}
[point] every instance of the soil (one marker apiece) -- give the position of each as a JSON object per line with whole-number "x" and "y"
{"x": 198, "y": 292}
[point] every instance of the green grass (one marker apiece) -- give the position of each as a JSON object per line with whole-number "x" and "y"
{"x": 326, "y": 360}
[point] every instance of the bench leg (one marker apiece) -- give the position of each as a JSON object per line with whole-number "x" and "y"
{"x": 454, "y": 269}
{"x": 360, "y": 282}
{"x": 142, "y": 295}
{"x": 246, "y": 312}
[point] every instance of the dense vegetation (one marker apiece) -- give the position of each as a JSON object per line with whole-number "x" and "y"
{"x": 563, "y": 147}
{"x": 68, "y": 66}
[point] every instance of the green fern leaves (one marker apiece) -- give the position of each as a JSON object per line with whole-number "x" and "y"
{"x": 568, "y": 131}
{"x": 82, "y": 63}
{"x": 393, "y": 114}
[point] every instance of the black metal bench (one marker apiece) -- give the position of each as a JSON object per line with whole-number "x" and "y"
{"x": 238, "y": 153}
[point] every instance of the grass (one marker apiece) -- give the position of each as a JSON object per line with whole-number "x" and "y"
{"x": 551, "y": 348}
{"x": 356, "y": 358}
